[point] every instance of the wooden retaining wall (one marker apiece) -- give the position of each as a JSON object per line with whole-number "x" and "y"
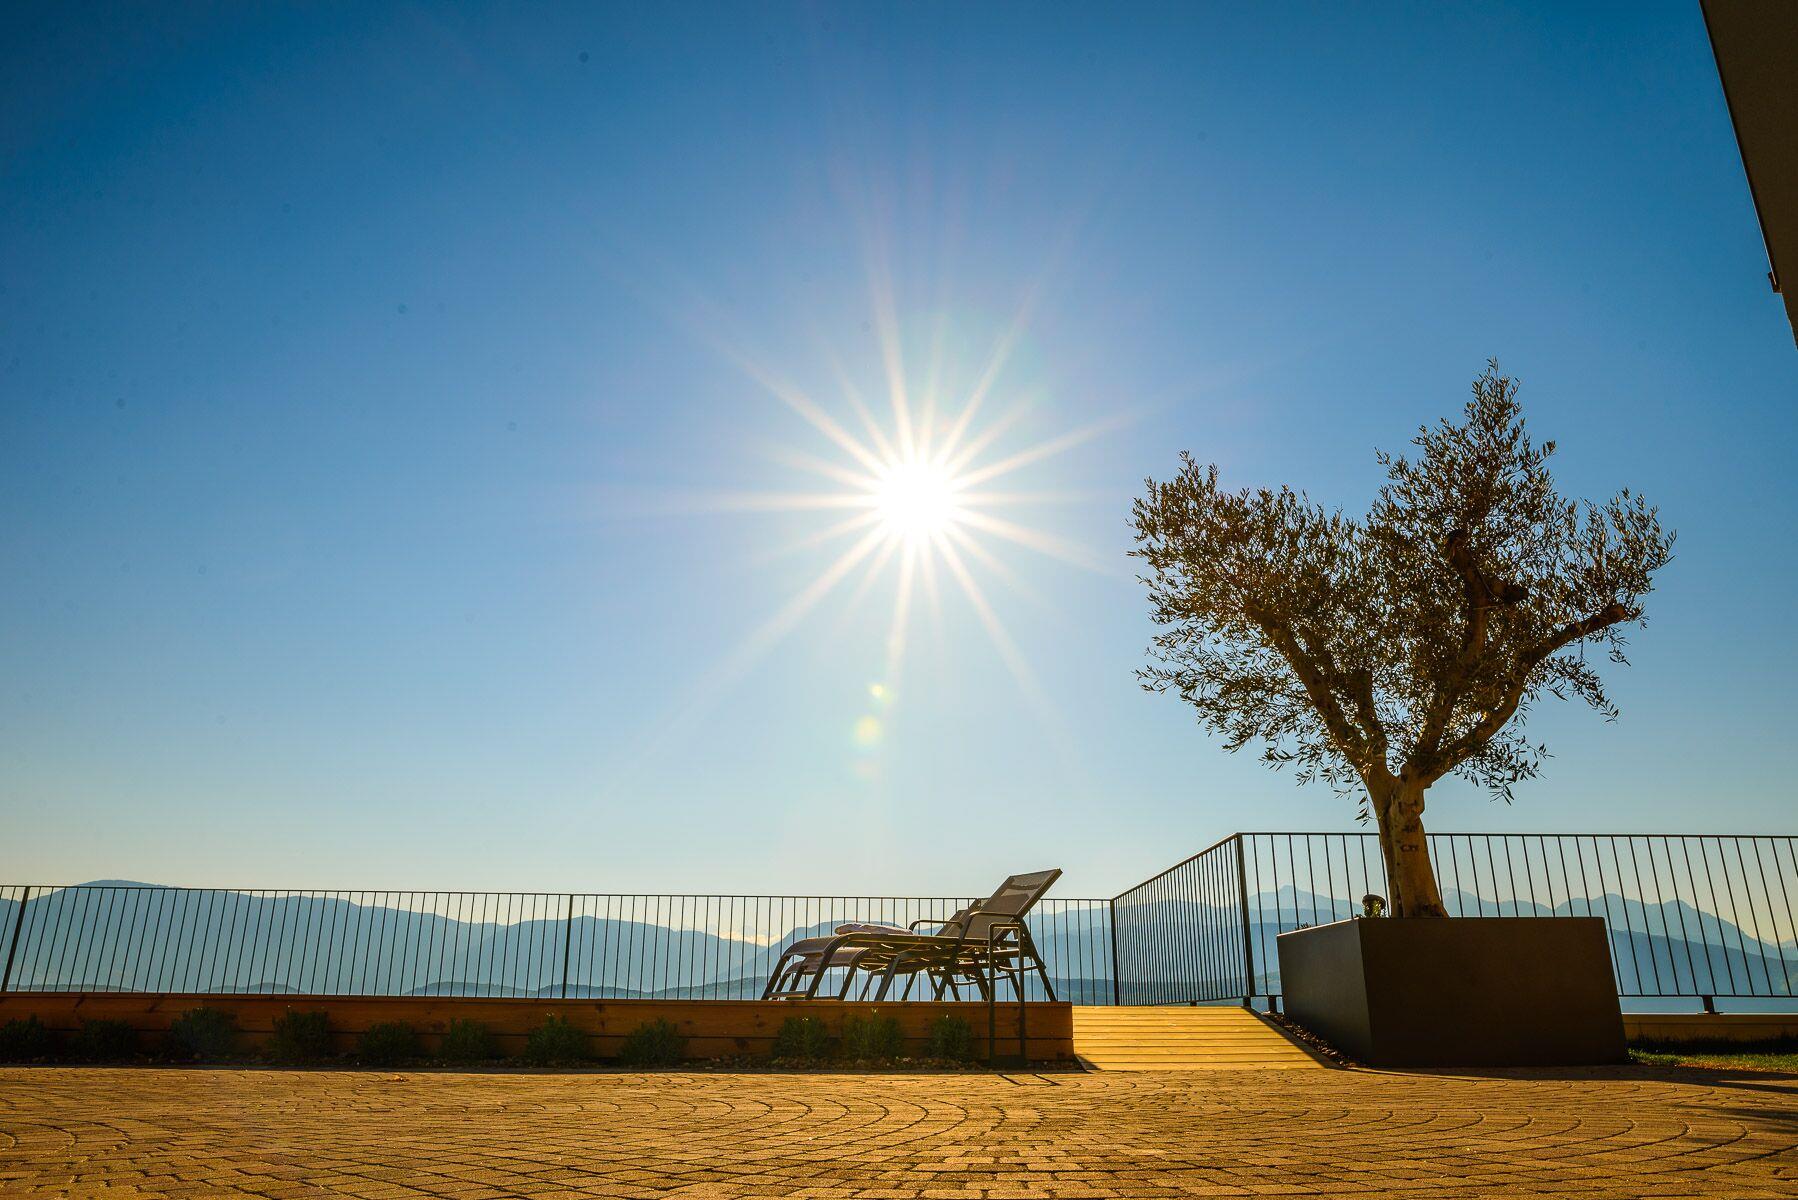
{"x": 1674, "y": 1028}
{"x": 713, "y": 1028}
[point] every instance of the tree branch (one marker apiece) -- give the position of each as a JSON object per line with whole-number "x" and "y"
{"x": 1482, "y": 593}
{"x": 1495, "y": 717}
{"x": 1316, "y": 680}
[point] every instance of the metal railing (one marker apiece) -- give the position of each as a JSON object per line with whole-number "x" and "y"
{"x": 1701, "y": 916}
{"x": 155, "y": 939}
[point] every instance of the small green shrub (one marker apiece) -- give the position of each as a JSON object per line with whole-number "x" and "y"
{"x": 653, "y": 1044}
{"x": 468, "y": 1041}
{"x": 951, "y": 1039}
{"x": 26, "y": 1040}
{"x": 202, "y": 1033}
{"x": 387, "y": 1043}
{"x": 801, "y": 1040}
{"x": 104, "y": 1040}
{"x": 299, "y": 1037}
{"x": 555, "y": 1041}
{"x": 873, "y": 1038}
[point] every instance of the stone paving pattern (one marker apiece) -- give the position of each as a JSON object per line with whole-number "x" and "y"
{"x": 1635, "y": 1132}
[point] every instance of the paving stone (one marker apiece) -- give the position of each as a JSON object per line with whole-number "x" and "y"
{"x": 1624, "y": 1132}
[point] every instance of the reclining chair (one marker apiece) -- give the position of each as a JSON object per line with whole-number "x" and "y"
{"x": 987, "y": 939}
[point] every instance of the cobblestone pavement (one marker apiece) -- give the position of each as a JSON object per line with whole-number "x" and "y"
{"x": 1630, "y": 1132}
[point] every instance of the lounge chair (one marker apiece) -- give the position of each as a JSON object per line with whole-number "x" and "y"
{"x": 978, "y": 943}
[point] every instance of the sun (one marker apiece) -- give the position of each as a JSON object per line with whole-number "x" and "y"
{"x": 920, "y": 496}
{"x": 916, "y": 499}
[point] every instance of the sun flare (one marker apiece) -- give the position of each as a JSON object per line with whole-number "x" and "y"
{"x": 916, "y": 499}
{"x": 919, "y": 495}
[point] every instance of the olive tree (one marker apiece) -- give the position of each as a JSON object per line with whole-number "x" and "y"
{"x": 1378, "y": 654}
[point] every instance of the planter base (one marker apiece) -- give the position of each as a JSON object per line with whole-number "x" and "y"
{"x": 1457, "y": 991}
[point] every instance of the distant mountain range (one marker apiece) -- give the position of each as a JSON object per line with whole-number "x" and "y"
{"x": 113, "y": 935}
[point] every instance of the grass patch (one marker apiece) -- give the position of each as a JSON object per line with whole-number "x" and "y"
{"x": 202, "y": 1034}
{"x": 469, "y": 1041}
{"x": 103, "y": 1041}
{"x": 26, "y": 1040}
{"x": 299, "y": 1037}
{"x": 875, "y": 1038}
{"x": 1727, "y": 1056}
{"x": 951, "y": 1039}
{"x": 653, "y": 1044}
{"x": 387, "y": 1044}
{"x": 801, "y": 1040}
{"x": 555, "y": 1043}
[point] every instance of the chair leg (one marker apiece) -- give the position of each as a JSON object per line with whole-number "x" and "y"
{"x": 777, "y": 976}
{"x": 886, "y": 978}
{"x": 986, "y": 990}
{"x": 1042, "y": 971}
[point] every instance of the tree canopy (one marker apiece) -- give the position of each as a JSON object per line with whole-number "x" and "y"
{"x": 1386, "y": 651}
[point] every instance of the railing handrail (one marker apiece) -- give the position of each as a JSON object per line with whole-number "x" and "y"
{"x": 426, "y": 891}
{"x": 1296, "y": 833}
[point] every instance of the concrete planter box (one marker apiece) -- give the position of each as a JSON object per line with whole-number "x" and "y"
{"x": 1457, "y": 991}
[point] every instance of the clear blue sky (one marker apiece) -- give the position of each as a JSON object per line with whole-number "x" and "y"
{"x": 373, "y": 381}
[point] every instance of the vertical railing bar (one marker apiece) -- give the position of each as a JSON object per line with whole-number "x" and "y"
{"x": 181, "y": 963}
{"x": 1710, "y": 967}
{"x": 567, "y": 943}
{"x": 1679, "y": 910}
{"x": 1722, "y": 938}
{"x": 12, "y": 943}
{"x": 1585, "y": 888}
{"x": 1529, "y": 874}
{"x": 281, "y": 968}
{"x": 29, "y": 975}
{"x": 72, "y": 938}
{"x": 1760, "y": 942}
{"x": 1660, "y": 899}
{"x": 1604, "y": 894}
{"x": 259, "y": 975}
{"x": 325, "y": 951}
{"x": 1242, "y": 903}
{"x": 1642, "y": 902}
{"x": 150, "y": 972}
{"x": 480, "y": 946}
{"x": 92, "y": 936}
{"x": 1772, "y": 919}
{"x": 1566, "y": 880}
{"x": 124, "y": 900}
{"x": 1628, "y": 929}
{"x": 415, "y": 965}
{"x": 1210, "y": 941}
{"x": 83, "y": 943}
{"x": 234, "y": 949}
{"x": 1786, "y": 895}
{"x": 255, "y": 941}
{"x": 263, "y": 916}
{"x": 369, "y": 916}
{"x": 124, "y": 941}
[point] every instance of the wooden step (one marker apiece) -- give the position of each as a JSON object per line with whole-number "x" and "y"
{"x": 1184, "y": 1038}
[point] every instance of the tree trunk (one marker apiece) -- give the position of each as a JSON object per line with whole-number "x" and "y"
{"x": 1406, "y": 853}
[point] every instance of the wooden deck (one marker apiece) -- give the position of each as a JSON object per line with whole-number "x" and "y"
{"x": 1184, "y": 1039}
